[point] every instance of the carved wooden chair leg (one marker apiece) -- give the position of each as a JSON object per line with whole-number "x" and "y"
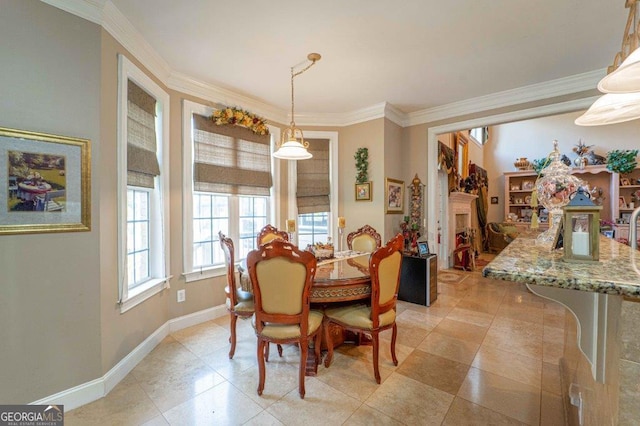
{"x": 393, "y": 344}
{"x": 262, "y": 346}
{"x": 376, "y": 348}
{"x": 304, "y": 352}
{"x": 280, "y": 350}
{"x": 232, "y": 337}
{"x": 329, "y": 341}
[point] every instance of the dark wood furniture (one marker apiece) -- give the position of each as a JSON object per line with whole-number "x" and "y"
{"x": 419, "y": 279}
{"x": 239, "y": 303}
{"x": 364, "y": 239}
{"x": 269, "y": 233}
{"x": 282, "y": 276}
{"x": 380, "y": 314}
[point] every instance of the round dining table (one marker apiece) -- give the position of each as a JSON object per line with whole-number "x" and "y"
{"x": 342, "y": 279}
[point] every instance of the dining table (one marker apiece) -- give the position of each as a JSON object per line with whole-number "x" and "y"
{"x": 342, "y": 279}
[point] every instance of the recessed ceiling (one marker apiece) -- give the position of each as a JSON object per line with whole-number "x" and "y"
{"x": 414, "y": 54}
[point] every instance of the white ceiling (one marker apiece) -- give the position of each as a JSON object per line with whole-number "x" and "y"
{"x": 413, "y": 54}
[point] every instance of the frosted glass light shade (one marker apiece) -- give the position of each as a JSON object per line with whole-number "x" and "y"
{"x": 626, "y": 78}
{"x": 610, "y": 109}
{"x": 292, "y": 150}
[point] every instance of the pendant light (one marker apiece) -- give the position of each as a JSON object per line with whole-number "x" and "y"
{"x": 290, "y": 148}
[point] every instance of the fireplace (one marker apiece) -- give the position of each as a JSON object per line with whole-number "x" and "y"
{"x": 459, "y": 220}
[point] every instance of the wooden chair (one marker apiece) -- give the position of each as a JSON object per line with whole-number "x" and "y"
{"x": 384, "y": 266}
{"x": 239, "y": 303}
{"x": 282, "y": 276}
{"x": 270, "y": 233}
{"x": 364, "y": 239}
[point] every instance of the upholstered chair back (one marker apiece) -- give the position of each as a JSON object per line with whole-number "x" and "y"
{"x": 281, "y": 283}
{"x": 270, "y": 233}
{"x": 365, "y": 239}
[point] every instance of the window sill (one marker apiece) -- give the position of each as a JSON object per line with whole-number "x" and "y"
{"x": 143, "y": 292}
{"x": 202, "y": 274}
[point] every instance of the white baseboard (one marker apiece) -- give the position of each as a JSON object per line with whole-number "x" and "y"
{"x": 97, "y": 388}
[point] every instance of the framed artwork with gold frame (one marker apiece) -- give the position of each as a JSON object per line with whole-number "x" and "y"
{"x": 394, "y": 196}
{"x": 47, "y": 183}
{"x": 363, "y": 191}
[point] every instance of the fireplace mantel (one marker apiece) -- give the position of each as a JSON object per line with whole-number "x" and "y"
{"x": 459, "y": 217}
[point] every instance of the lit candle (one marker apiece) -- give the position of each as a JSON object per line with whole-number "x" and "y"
{"x": 291, "y": 226}
{"x": 580, "y": 243}
{"x": 341, "y": 222}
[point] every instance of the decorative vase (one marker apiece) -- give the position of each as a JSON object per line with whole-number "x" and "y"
{"x": 581, "y": 162}
{"x": 522, "y": 163}
{"x": 554, "y": 189}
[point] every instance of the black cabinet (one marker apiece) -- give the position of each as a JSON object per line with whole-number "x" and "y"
{"x": 419, "y": 280}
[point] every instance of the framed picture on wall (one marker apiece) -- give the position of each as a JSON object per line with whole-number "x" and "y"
{"x": 363, "y": 191}
{"x": 46, "y": 182}
{"x": 394, "y": 196}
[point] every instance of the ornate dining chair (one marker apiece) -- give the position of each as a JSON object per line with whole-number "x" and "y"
{"x": 239, "y": 303}
{"x": 270, "y": 233}
{"x": 384, "y": 266}
{"x": 282, "y": 276}
{"x": 364, "y": 239}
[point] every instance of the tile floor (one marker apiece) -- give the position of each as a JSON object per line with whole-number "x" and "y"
{"x": 485, "y": 353}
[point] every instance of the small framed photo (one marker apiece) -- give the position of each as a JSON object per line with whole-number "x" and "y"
{"x": 494, "y": 200}
{"x": 622, "y": 202}
{"x": 423, "y": 248}
{"x": 527, "y": 185}
{"x": 608, "y": 233}
{"x": 515, "y": 187}
{"x": 363, "y": 191}
{"x": 626, "y": 217}
{"x": 518, "y": 201}
{"x": 625, "y": 182}
{"x": 394, "y": 196}
{"x": 527, "y": 199}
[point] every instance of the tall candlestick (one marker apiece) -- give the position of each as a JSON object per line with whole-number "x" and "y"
{"x": 341, "y": 222}
{"x": 291, "y": 226}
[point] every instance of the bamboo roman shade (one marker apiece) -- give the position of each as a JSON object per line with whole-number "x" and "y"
{"x": 230, "y": 159}
{"x": 313, "y": 179}
{"x": 142, "y": 161}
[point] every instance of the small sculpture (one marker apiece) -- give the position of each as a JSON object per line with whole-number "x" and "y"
{"x": 595, "y": 159}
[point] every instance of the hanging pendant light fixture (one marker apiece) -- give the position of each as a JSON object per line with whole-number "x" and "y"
{"x": 290, "y": 148}
{"x": 622, "y": 83}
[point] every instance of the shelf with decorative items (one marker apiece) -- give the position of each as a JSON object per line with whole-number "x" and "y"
{"x": 602, "y": 186}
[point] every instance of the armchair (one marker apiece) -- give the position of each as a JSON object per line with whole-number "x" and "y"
{"x": 499, "y": 236}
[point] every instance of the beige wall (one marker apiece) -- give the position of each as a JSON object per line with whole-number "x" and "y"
{"x": 358, "y": 213}
{"x": 394, "y": 168}
{"x": 50, "y": 300}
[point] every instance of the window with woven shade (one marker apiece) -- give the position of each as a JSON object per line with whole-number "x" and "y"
{"x": 143, "y": 185}
{"x": 142, "y": 159}
{"x": 229, "y": 189}
{"x": 313, "y": 179}
{"x": 230, "y": 159}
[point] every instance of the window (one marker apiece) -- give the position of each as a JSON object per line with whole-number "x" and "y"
{"x": 227, "y": 187}
{"x": 313, "y": 228}
{"x": 480, "y": 134}
{"x": 312, "y": 200}
{"x": 143, "y": 181}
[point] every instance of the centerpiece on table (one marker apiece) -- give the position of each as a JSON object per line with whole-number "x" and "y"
{"x": 322, "y": 251}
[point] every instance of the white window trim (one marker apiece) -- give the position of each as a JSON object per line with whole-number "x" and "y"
{"x": 292, "y": 211}
{"x": 159, "y": 235}
{"x": 195, "y": 274}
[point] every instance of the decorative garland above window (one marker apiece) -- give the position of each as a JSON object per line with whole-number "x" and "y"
{"x": 362, "y": 165}
{"x": 239, "y": 117}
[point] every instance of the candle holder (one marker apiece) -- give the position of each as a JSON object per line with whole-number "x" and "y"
{"x": 341, "y": 242}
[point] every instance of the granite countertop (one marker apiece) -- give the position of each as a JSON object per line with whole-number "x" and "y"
{"x": 617, "y": 272}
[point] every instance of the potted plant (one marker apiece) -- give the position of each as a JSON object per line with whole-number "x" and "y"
{"x": 622, "y": 161}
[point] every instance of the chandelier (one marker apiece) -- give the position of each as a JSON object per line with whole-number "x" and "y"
{"x": 621, "y": 85}
{"x": 290, "y": 148}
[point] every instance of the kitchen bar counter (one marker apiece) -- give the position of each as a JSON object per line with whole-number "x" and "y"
{"x": 603, "y": 297}
{"x": 617, "y": 272}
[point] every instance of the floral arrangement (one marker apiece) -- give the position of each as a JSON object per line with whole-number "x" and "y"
{"x": 239, "y": 117}
{"x": 581, "y": 148}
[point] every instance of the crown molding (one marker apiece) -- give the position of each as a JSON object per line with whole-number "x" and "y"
{"x": 559, "y": 87}
{"x": 105, "y": 13}
{"x": 91, "y": 10}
